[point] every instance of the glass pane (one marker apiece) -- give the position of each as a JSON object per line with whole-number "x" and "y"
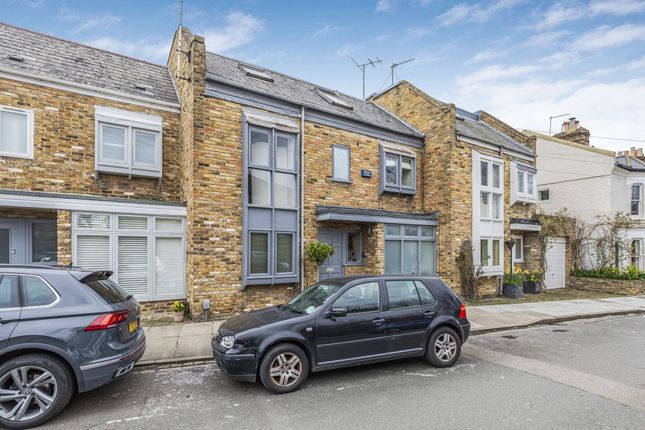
{"x": 126, "y": 222}
{"x": 113, "y": 142}
{"x": 132, "y": 262}
{"x": 360, "y": 298}
{"x": 93, "y": 252}
{"x": 43, "y": 245}
{"x": 259, "y": 253}
{"x": 392, "y": 230}
{"x": 496, "y": 175}
{"x": 285, "y": 190}
{"x": 13, "y": 128}
{"x": 392, "y": 257}
{"x": 285, "y": 155}
{"x": 406, "y": 172}
{"x": 496, "y": 253}
{"x": 424, "y": 293}
{"x": 427, "y": 231}
{"x": 353, "y": 247}
{"x": 144, "y": 147}
{"x": 530, "y": 178}
{"x": 9, "y": 297}
{"x": 96, "y": 221}
{"x": 259, "y": 147}
{"x": 520, "y": 182}
{"x": 402, "y": 294}
{"x": 484, "y": 173}
{"x": 410, "y": 258}
{"x": 109, "y": 290}
{"x": 391, "y": 174}
{"x": 485, "y": 205}
{"x": 169, "y": 266}
{"x": 497, "y": 206}
{"x": 518, "y": 248}
{"x": 340, "y": 163}
{"x": 636, "y": 192}
{"x": 483, "y": 246}
{"x": 426, "y": 259}
{"x": 169, "y": 224}
{"x": 36, "y": 292}
{"x": 635, "y": 207}
{"x": 410, "y": 231}
{"x": 284, "y": 253}
{"x": 4, "y": 246}
{"x": 259, "y": 187}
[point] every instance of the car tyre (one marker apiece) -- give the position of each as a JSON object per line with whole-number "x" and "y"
{"x": 444, "y": 347}
{"x": 284, "y": 368}
{"x": 58, "y": 387}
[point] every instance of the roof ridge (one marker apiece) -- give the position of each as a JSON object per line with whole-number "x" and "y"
{"x": 505, "y": 135}
{"x": 82, "y": 44}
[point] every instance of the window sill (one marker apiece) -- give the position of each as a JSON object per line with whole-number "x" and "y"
{"x": 126, "y": 171}
{"x": 12, "y": 155}
{"x": 525, "y": 199}
{"x": 341, "y": 181}
{"x": 354, "y": 264}
{"x": 399, "y": 191}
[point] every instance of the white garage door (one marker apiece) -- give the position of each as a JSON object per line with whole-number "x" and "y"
{"x": 555, "y": 265}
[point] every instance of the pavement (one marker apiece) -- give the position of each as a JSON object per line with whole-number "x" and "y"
{"x": 583, "y": 374}
{"x": 191, "y": 342}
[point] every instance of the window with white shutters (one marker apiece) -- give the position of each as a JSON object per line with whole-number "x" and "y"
{"x": 145, "y": 253}
{"x": 128, "y": 143}
{"x": 16, "y": 132}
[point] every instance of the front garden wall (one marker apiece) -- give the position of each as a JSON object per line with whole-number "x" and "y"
{"x": 616, "y": 286}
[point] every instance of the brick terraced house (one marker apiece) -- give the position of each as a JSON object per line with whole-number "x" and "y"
{"x": 479, "y": 175}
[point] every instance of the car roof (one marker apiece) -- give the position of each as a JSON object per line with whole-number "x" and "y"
{"x": 347, "y": 279}
{"x": 77, "y": 272}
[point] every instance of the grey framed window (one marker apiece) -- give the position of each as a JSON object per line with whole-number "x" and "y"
{"x": 340, "y": 163}
{"x": 354, "y": 248}
{"x": 544, "y": 195}
{"x": 271, "y": 206}
{"x": 409, "y": 250}
{"x": 397, "y": 173}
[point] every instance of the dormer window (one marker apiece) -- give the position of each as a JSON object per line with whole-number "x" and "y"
{"x": 256, "y": 73}
{"x": 333, "y": 98}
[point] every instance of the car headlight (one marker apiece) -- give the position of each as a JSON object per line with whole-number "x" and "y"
{"x": 227, "y": 342}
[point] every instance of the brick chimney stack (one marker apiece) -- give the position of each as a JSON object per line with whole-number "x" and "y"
{"x": 574, "y": 132}
{"x": 633, "y": 152}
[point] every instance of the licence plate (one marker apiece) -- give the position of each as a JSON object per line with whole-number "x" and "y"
{"x": 133, "y": 326}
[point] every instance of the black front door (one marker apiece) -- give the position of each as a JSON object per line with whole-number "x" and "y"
{"x": 410, "y": 313}
{"x": 333, "y": 267}
{"x": 359, "y": 334}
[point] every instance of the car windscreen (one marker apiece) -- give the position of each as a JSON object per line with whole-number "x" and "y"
{"x": 109, "y": 290}
{"x": 313, "y": 297}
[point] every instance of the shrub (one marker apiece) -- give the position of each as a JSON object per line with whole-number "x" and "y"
{"x": 318, "y": 252}
{"x": 515, "y": 277}
{"x": 631, "y": 273}
{"x": 532, "y": 275}
{"x": 178, "y": 306}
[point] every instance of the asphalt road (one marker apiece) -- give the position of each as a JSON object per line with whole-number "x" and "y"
{"x": 585, "y": 374}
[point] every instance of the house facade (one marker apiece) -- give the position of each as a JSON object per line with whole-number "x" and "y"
{"x": 591, "y": 182}
{"x": 480, "y": 178}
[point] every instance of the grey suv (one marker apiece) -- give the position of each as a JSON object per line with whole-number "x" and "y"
{"x": 62, "y": 331}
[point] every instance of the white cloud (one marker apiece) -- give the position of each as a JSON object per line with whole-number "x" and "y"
{"x": 346, "y": 50}
{"x": 146, "y": 49}
{"x": 617, "y": 7}
{"x": 327, "y": 29}
{"x": 383, "y": 37}
{"x": 32, "y": 4}
{"x": 82, "y": 22}
{"x": 609, "y": 37}
{"x": 638, "y": 64}
{"x": 561, "y": 12}
{"x": 487, "y": 54}
{"x": 496, "y": 72}
{"x": 475, "y": 12}
{"x": 240, "y": 29}
{"x": 385, "y": 6}
{"x": 545, "y": 39}
{"x": 417, "y": 32}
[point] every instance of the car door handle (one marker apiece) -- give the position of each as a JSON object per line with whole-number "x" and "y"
{"x": 429, "y": 314}
{"x": 378, "y": 321}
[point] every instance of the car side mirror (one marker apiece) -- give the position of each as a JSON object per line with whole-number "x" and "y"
{"x": 338, "y": 312}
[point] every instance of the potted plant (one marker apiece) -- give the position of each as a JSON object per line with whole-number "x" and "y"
{"x": 178, "y": 308}
{"x": 533, "y": 281}
{"x": 513, "y": 284}
{"x": 319, "y": 252}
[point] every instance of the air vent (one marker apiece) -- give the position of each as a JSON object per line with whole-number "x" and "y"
{"x": 256, "y": 73}
{"x": 16, "y": 58}
{"x": 333, "y": 98}
{"x": 144, "y": 88}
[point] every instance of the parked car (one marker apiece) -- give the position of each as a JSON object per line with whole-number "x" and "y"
{"x": 62, "y": 331}
{"x": 343, "y": 322}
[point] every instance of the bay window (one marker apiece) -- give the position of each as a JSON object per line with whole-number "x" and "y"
{"x": 270, "y": 206}
{"x": 145, "y": 253}
{"x": 523, "y": 186}
{"x": 397, "y": 171}
{"x": 409, "y": 250}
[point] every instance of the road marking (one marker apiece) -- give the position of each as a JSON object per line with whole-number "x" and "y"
{"x": 603, "y": 387}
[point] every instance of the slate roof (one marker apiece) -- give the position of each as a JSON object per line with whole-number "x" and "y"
{"x": 227, "y": 71}
{"x": 630, "y": 163}
{"x": 50, "y": 57}
{"x": 468, "y": 125}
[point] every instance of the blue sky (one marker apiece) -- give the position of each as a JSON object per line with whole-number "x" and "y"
{"x": 520, "y": 60}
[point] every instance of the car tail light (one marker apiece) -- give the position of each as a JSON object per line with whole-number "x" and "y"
{"x": 106, "y": 321}
{"x": 462, "y": 311}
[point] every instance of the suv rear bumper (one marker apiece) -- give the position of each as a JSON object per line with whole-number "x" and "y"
{"x": 103, "y": 372}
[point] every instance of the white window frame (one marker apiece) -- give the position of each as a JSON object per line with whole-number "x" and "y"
{"x": 491, "y": 190}
{"x": 638, "y": 258}
{"x": 131, "y": 122}
{"x": 347, "y": 151}
{"x": 519, "y": 241}
{"x": 150, "y": 232}
{"x": 30, "y": 132}
{"x": 523, "y": 195}
{"x": 632, "y": 200}
{"x": 490, "y": 267}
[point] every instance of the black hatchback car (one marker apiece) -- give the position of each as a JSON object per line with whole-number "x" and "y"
{"x": 62, "y": 331}
{"x": 343, "y": 322}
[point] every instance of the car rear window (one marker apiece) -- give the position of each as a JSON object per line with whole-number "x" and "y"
{"x": 109, "y": 290}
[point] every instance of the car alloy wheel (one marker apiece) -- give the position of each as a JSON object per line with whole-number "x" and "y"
{"x": 285, "y": 369}
{"x": 26, "y": 393}
{"x": 445, "y": 347}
